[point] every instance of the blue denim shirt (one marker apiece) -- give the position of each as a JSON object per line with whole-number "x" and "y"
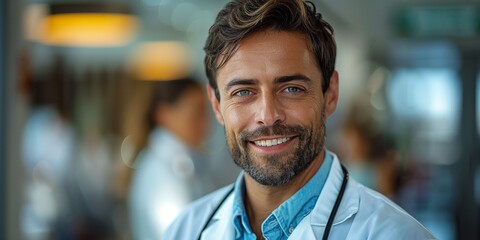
{"x": 283, "y": 220}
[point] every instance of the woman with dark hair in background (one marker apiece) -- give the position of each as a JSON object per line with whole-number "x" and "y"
{"x": 166, "y": 175}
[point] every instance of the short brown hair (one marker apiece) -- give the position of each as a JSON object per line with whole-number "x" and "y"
{"x": 240, "y": 18}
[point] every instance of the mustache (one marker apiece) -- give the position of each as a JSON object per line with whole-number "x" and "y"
{"x": 263, "y": 131}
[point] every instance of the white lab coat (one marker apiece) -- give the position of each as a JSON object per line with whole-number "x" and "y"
{"x": 363, "y": 214}
{"x": 162, "y": 185}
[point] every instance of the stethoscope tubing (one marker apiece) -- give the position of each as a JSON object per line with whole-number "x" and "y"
{"x": 337, "y": 204}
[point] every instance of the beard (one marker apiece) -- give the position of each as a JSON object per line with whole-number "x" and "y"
{"x": 278, "y": 169}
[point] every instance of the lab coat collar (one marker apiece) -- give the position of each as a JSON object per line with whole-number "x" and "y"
{"x": 221, "y": 226}
{"x": 350, "y": 201}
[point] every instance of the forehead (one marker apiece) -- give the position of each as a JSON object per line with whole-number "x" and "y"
{"x": 270, "y": 53}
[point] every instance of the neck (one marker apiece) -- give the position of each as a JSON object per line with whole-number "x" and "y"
{"x": 261, "y": 200}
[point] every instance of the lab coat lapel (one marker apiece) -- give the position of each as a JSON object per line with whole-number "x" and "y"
{"x": 304, "y": 230}
{"x": 323, "y": 207}
{"x": 313, "y": 225}
{"x": 221, "y": 226}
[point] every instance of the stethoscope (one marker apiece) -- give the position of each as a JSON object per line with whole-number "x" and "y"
{"x": 333, "y": 213}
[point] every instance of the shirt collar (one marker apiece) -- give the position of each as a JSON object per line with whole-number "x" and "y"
{"x": 289, "y": 213}
{"x": 292, "y": 211}
{"x": 240, "y": 220}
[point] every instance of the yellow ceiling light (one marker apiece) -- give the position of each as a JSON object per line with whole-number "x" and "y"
{"x": 86, "y": 25}
{"x": 158, "y": 61}
{"x": 88, "y": 29}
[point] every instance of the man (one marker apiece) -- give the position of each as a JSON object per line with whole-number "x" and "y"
{"x": 272, "y": 84}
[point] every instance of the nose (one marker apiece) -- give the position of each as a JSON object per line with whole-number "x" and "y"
{"x": 270, "y": 111}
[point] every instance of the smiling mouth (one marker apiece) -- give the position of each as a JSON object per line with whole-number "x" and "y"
{"x": 271, "y": 142}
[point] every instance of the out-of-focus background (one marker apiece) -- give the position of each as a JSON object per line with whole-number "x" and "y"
{"x": 105, "y": 132}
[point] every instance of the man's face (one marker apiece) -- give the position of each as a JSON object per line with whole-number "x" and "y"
{"x": 272, "y": 105}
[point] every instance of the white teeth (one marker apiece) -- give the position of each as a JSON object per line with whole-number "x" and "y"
{"x": 271, "y": 142}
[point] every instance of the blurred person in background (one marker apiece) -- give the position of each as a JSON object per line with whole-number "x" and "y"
{"x": 369, "y": 152}
{"x": 168, "y": 171}
{"x": 48, "y": 144}
{"x": 67, "y": 155}
{"x": 272, "y": 85}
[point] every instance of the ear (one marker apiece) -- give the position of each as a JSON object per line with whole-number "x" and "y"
{"x": 215, "y": 103}
{"x": 331, "y": 95}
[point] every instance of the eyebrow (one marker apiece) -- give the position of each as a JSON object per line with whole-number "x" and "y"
{"x": 290, "y": 78}
{"x": 236, "y": 82}
{"x": 282, "y": 79}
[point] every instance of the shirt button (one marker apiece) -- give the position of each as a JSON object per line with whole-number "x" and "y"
{"x": 291, "y": 229}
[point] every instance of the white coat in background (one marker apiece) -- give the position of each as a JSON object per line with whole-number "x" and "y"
{"x": 164, "y": 182}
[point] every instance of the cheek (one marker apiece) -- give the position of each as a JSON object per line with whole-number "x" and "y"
{"x": 309, "y": 114}
{"x": 237, "y": 118}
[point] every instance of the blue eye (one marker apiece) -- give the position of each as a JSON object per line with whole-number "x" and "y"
{"x": 292, "y": 89}
{"x": 243, "y": 93}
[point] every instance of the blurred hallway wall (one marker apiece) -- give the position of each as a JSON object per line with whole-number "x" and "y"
{"x": 14, "y": 116}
